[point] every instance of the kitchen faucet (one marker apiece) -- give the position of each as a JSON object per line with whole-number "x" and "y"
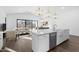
{"x": 54, "y": 27}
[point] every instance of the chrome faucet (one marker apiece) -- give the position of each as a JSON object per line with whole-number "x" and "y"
{"x": 54, "y": 27}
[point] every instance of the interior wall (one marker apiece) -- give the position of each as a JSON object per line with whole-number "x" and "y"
{"x": 66, "y": 19}
{"x": 2, "y": 16}
{"x": 70, "y": 20}
{"x": 12, "y": 19}
{"x": 10, "y": 23}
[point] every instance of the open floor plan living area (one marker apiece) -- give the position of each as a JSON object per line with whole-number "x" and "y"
{"x": 39, "y": 28}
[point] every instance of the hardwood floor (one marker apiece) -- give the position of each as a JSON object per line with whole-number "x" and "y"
{"x": 71, "y": 45}
{"x": 21, "y": 45}
{"x": 4, "y": 50}
{"x": 25, "y": 45}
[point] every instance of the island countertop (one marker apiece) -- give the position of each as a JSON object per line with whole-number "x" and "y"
{"x": 42, "y": 31}
{"x": 45, "y": 31}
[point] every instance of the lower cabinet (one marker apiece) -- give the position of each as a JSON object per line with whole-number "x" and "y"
{"x": 1, "y": 40}
{"x": 45, "y": 42}
{"x": 40, "y": 43}
{"x": 62, "y": 36}
{"x": 52, "y": 40}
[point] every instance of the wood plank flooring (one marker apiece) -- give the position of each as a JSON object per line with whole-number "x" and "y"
{"x": 71, "y": 45}
{"x": 21, "y": 45}
{"x": 4, "y": 50}
{"x": 25, "y": 45}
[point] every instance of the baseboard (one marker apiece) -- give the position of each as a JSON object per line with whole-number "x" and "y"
{"x": 10, "y": 50}
{"x": 73, "y": 35}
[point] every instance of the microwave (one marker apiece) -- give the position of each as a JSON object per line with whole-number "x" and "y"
{"x": 2, "y": 27}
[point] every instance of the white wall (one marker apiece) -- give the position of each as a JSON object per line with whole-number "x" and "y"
{"x": 2, "y": 16}
{"x": 12, "y": 19}
{"x": 66, "y": 18}
{"x": 10, "y": 23}
{"x": 69, "y": 19}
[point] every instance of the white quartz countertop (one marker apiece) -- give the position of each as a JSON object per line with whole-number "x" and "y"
{"x": 43, "y": 31}
{"x": 46, "y": 31}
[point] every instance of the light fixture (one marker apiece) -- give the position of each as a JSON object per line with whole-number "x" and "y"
{"x": 39, "y": 12}
{"x": 62, "y": 7}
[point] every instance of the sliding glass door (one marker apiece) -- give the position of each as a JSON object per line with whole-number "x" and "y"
{"x": 25, "y": 24}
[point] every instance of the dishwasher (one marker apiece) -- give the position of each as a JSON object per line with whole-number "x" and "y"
{"x": 52, "y": 40}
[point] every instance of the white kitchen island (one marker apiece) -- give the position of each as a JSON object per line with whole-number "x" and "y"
{"x": 41, "y": 39}
{"x": 1, "y": 39}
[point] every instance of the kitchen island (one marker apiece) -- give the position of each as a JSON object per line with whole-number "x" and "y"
{"x": 2, "y": 39}
{"x": 46, "y": 39}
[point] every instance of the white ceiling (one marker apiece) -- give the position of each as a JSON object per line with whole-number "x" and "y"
{"x": 22, "y": 9}
{"x": 17, "y": 9}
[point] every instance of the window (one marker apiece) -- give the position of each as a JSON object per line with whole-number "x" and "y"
{"x": 24, "y": 24}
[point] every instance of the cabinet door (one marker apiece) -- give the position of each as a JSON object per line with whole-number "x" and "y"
{"x": 44, "y": 43}
{"x": 35, "y": 43}
{"x": 1, "y": 40}
{"x": 66, "y": 34}
{"x": 59, "y": 37}
{"x": 62, "y": 36}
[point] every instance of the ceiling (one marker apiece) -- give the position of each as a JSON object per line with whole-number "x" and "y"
{"x": 23, "y": 9}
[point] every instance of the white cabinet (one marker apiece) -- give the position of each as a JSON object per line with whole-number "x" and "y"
{"x": 44, "y": 42}
{"x": 62, "y": 35}
{"x": 34, "y": 42}
{"x": 66, "y": 34}
{"x": 1, "y": 40}
{"x": 59, "y": 37}
{"x": 40, "y": 43}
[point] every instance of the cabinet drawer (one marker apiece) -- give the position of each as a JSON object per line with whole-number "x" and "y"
{"x": 44, "y": 36}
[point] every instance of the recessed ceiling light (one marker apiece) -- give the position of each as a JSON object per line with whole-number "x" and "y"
{"x": 62, "y": 7}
